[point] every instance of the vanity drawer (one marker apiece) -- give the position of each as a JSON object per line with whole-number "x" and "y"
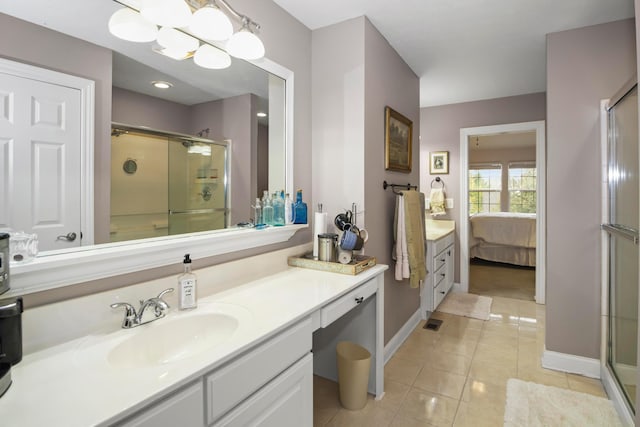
{"x": 439, "y": 275}
{"x": 439, "y": 261}
{"x": 344, "y": 304}
{"x": 234, "y": 382}
{"x": 441, "y": 244}
{"x": 439, "y": 293}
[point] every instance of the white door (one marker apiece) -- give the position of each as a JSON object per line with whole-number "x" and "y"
{"x": 40, "y": 158}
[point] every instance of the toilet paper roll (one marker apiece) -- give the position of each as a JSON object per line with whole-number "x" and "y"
{"x": 319, "y": 227}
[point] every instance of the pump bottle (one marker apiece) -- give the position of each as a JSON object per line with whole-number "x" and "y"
{"x": 187, "y": 285}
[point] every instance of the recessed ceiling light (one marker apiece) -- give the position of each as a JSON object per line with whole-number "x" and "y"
{"x": 161, "y": 84}
{"x": 261, "y": 114}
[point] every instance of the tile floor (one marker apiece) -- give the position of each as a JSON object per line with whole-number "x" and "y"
{"x": 457, "y": 375}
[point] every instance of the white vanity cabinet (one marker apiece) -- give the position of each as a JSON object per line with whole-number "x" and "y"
{"x": 441, "y": 264}
{"x": 183, "y": 408}
{"x": 270, "y": 385}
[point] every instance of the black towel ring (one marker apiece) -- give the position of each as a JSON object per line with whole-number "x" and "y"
{"x": 438, "y": 179}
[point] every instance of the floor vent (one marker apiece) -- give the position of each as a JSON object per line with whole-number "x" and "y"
{"x": 433, "y": 324}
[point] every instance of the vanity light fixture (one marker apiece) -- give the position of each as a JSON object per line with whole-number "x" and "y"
{"x": 161, "y": 84}
{"x": 211, "y": 22}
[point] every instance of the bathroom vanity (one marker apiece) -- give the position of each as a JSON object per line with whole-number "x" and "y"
{"x": 440, "y": 264}
{"x": 245, "y": 355}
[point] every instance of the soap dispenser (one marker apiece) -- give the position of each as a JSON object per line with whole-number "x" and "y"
{"x": 187, "y": 284}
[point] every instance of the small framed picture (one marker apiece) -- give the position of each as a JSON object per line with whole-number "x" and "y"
{"x": 439, "y": 162}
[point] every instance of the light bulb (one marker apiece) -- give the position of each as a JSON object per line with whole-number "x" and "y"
{"x": 245, "y": 45}
{"x": 170, "y": 13}
{"x": 175, "y": 40}
{"x": 208, "y": 56}
{"x": 210, "y": 23}
{"x": 129, "y": 25}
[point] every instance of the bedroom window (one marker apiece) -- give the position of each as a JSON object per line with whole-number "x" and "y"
{"x": 522, "y": 188}
{"x": 485, "y": 185}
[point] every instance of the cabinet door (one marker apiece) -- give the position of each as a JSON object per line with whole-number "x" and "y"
{"x": 185, "y": 409}
{"x": 287, "y": 401}
{"x": 451, "y": 265}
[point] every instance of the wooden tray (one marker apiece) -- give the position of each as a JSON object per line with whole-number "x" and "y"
{"x": 357, "y": 265}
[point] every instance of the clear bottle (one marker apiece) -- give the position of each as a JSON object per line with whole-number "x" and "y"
{"x": 267, "y": 211}
{"x": 288, "y": 210}
{"x": 299, "y": 210}
{"x": 257, "y": 212}
{"x": 278, "y": 208}
{"x": 187, "y": 285}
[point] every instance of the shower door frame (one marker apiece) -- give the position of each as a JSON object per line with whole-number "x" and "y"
{"x": 186, "y": 137}
{"x": 607, "y": 376}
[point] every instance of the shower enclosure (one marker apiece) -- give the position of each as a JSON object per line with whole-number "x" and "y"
{"x": 621, "y": 242}
{"x": 165, "y": 184}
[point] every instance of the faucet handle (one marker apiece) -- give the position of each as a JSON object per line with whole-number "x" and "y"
{"x": 166, "y": 291}
{"x": 129, "y": 314}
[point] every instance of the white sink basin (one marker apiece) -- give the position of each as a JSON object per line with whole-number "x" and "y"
{"x": 171, "y": 339}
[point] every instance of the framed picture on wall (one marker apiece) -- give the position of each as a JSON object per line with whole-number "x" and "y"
{"x": 439, "y": 162}
{"x": 397, "y": 141}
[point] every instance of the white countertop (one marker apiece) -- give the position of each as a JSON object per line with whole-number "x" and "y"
{"x": 438, "y": 228}
{"x": 72, "y": 384}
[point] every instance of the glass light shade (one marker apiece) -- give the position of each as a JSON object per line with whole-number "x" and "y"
{"x": 210, "y": 23}
{"x": 173, "y": 39}
{"x": 170, "y": 13}
{"x": 129, "y": 25}
{"x": 208, "y": 56}
{"x": 245, "y": 45}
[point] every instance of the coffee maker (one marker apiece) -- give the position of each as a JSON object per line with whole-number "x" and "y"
{"x": 4, "y": 262}
{"x": 10, "y": 339}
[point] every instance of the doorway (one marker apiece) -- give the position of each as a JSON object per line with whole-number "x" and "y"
{"x": 531, "y": 256}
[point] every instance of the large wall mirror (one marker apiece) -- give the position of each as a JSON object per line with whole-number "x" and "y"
{"x": 197, "y": 142}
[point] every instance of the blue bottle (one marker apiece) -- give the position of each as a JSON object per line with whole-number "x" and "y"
{"x": 299, "y": 210}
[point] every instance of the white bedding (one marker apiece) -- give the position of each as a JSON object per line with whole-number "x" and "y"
{"x": 504, "y": 237}
{"x": 505, "y": 228}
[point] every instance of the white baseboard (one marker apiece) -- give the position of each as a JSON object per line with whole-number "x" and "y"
{"x": 571, "y": 363}
{"x": 457, "y": 287}
{"x": 616, "y": 397}
{"x": 394, "y": 343}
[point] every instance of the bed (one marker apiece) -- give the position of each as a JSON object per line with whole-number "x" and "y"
{"x": 504, "y": 237}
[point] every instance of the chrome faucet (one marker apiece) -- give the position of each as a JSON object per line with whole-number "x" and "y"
{"x": 133, "y": 319}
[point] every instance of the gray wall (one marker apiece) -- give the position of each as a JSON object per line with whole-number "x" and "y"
{"x": 388, "y": 82}
{"x": 136, "y": 109}
{"x": 287, "y": 42}
{"x": 38, "y": 46}
{"x": 441, "y": 132}
{"x": 637, "y": 22}
{"x": 356, "y": 74}
{"x": 583, "y": 66}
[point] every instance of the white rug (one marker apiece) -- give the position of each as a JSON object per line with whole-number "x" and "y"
{"x": 531, "y": 404}
{"x": 468, "y": 305}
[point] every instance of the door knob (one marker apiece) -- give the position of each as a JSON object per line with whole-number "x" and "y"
{"x": 70, "y": 237}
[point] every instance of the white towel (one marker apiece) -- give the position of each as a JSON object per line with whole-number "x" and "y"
{"x": 436, "y": 200}
{"x": 402, "y": 253}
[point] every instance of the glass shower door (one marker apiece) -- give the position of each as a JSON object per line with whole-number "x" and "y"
{"x": 623, "y": 243}
{"x": 197, "y": 186}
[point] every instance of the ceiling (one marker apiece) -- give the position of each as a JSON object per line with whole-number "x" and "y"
{"x": 467, "y": 50}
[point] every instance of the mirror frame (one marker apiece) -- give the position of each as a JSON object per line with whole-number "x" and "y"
{"x": 80, "y": 265}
